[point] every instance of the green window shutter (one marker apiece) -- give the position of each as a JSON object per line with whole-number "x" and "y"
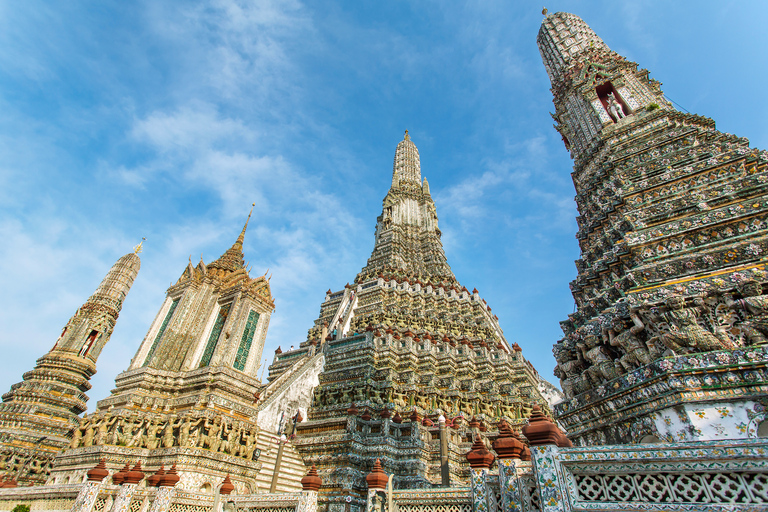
{"x": 160, "y": 333}
{"x": 213, "y": 339}
{"x": 245, "y": 342}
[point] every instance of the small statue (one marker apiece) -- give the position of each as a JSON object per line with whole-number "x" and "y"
{"x": 684, "y": 331}
{"x": 602, "y": 367}
{"x": 167, "y": 434}
{"x": 89, "y": 433}
{"x": 755, "y": 328}
{"x": 102, "y": 430}
{"x": 184, "y": 430}
{"x": 77, "y": 437}
{"x": 636, "y": 353}
{"x": 614, "y": 107}
{"x": 149, "y": 439}
{"x": 569, "y": 369}
{"x": 214, "y": 434}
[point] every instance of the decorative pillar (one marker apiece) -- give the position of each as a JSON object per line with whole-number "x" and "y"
{"x": 225, "y": 489}
{"x": 310, "y": 484}
{"x": 445, "y": 473}
{"x": 89, "y": 492}
{"x": 166, "y": 483}
{"x": 509, "y": 447}
{"x": 129, "y": 482}
{"x": 480, "y": 461}
{"x": 377, "y": 482}
{"x": 546, "y": 439}
{"x": 278, "y": 460}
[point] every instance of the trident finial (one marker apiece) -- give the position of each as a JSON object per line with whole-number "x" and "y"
{"x": 140, "y": 247}
{"x": 407, "y": 137}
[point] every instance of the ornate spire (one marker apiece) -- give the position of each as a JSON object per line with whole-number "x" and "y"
{"x": 406, "y": 170}
{"x": 38, "y": 414}
{"x": 563, "y": 38}
{"x": 140, "y": 247}
{"x": 233, "y": 258}
{"x": 407, "y": 235}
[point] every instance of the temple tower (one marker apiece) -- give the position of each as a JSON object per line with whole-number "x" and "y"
{"x": 404, "y": 345}
{"x": 672, "y": 230}
{"x": 39, "y": 414}
{"x": 188, "y": 396}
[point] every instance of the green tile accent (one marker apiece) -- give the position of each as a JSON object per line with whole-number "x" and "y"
{"x": 245, "y": 342}
{"x": 161, "y": 331}
{"x": 213, "y": 339}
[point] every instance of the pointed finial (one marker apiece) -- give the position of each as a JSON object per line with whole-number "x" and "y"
{"x": 140, "y": 247}
{"x": 544, "y": 11}
{"x": 406, "y": 137}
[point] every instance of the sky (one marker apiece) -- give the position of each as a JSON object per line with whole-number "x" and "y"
{"x": 167, "y": 119}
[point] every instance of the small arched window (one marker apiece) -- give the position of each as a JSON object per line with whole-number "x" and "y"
{"x": 608, "y": 95}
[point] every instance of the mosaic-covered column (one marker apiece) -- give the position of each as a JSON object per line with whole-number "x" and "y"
{"x": 480, "y": 461}
{"x": 377, "y": 482}
{"x": 509, "y": 448}
{"x": 129, "y": 481}
{"x": 310, "y": 484}
{"x": 166, "y": 490}
{"x": 546, "y": 439}
{"x": 89, "y": 492}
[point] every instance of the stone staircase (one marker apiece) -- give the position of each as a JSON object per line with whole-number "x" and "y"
{"x": 292, "y": 469}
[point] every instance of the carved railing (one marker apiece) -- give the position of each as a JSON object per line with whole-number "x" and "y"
{"x": 49, "y": 497}
{"x": 696, "y": 476}
{"x": 274, "y": 502}
{"x": 452, "y": 499}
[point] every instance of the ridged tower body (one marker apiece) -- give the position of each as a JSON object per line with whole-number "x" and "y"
{"x": 188, "y": 396}
{"x": 403, "y": 344}
{"x": 673, "y": 218}
{"x": 39, "y": 414}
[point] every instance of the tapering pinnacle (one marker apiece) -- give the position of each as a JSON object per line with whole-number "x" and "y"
{"x": 233, "y": 258}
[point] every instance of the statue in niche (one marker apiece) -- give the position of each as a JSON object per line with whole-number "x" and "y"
{"x": 614, "y": 107}
{"x": 755, "y": 328}
{"x": 636, "y": 353}
{"x": 685, "y": 334}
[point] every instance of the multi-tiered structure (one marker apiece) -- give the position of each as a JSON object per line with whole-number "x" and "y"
{"x": 39, "y": 414}
{"x": 672, "y": 229}
{"x": 402, "y": 345}
{"x": 188, "y": 397}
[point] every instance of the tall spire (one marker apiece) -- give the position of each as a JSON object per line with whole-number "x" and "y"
{"x": 406, "y": 171}
{"x": 233, "y": 258}
{"x": 593, "y": 87}
{"x": 563, "y": 38}
{"x": 38, "y": 414}
{"x": 407, "y": 236}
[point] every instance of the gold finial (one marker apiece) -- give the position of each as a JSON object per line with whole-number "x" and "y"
{"x": 140, "y": 247}
{"x": 407, "y": 137}
{"x": 544, "y": 11}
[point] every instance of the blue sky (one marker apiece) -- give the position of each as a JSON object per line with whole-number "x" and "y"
{"x": 168, "y": 119}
